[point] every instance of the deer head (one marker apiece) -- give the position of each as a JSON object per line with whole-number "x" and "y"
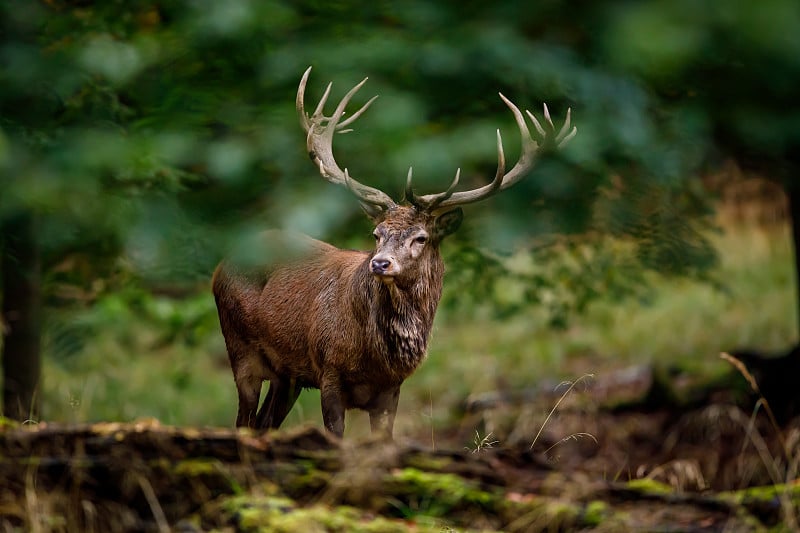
{"x": 405, "y": 232}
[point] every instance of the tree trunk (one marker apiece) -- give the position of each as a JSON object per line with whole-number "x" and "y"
{"x": 793, "y": 193}
{"x": 20, "y": 268}
{"x": 776, "y": 374}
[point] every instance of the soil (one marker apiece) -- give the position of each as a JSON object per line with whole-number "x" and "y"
{"x": 646, "y": 458}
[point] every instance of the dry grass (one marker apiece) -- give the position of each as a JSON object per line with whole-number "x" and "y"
{"x": 783, "y": 468}
{"x": 570, "y": 385}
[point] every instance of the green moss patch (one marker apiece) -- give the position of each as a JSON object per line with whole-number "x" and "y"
{"x": 279, "y": 514}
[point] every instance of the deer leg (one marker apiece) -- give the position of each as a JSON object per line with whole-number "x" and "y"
{"x": 383, "y": 410}
{"x": 249, "y": 388}
{"x": 279, "y": 401}
{"x": 332, "y": 405}
{"x": 265, "y": 413}
{"x": 284, "y": 402}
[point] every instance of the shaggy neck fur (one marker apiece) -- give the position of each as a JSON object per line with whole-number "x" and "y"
{"x": 399, "y": 314}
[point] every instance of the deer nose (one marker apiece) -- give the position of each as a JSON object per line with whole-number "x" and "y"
{"x": 380, "y": 266}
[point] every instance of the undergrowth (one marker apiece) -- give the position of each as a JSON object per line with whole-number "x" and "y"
{"x": 135, "y": 355}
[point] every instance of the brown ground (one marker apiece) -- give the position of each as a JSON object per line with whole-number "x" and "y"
{"x": 140, "y": 477}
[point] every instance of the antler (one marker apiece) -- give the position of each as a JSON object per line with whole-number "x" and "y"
{"x": 502, "y": 180}
{"x": 319, "y": 140}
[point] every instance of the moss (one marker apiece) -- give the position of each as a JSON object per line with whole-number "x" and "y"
{"x": 435, "y": 494}
{"x": 764, "y": 494}
{"x": 595, "y": 513}
{"x": 562, "y": 512}
{"x": 279, "y": 514}
{"x": 766, "y": 504}
{"x": 208, "y": 470}
{"x": 346, "y": 519}
{"x": 7, "y": 423}
{"x": 427, "y": 462}
{"x": 250, "y": 512}
{"x": 649, "y": 486}
{"x": 198, "y": 467}
{"x": 305, "y": 477}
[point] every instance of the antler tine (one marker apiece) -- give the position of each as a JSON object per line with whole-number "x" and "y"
{"x": 523, "y": 128}
{"x": 568, "y": 138}
{"x": 501, "y": 163}
{"x": 300, "y": 100}
{"x": 446, "y": 194}
{"x": 497, "y": 182}
{"x": 319, "y": 141}
{"x": 503, "y": 179}
{"x": 536, "y": 124}
{"x": 323, "y": 100}
{"x": 430, "y": 201}
{"x": 565, "y": 126}
{"x": 547, "y": 116}
{"x": 358, "y": 113}
{"x": 409, "y": 191}
{"x": 565, "y": 134}
{"x": 333, "y": 120}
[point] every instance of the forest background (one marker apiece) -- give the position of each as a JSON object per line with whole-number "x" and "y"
{"x": 142, "y": 141}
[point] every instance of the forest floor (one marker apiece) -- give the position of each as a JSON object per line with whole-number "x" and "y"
{"x": 639, "y": 460}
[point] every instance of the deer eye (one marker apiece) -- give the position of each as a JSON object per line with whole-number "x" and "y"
{"x": 377, "y": 236}
{"x": 422, "y": 239}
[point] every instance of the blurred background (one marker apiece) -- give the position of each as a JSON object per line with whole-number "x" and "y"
{"x": 141, "y": 141}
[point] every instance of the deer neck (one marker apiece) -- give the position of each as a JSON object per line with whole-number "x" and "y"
{"x": 401, "y": 315}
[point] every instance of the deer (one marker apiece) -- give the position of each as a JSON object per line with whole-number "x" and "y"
{"x": 353, "y": 324}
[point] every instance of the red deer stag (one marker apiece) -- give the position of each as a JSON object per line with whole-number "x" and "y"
{"x": 353, "y": 324}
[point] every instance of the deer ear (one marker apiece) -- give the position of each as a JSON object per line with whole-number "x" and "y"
{"x": 447, "y": 223}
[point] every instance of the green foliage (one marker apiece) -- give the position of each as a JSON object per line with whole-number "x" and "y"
{"x": 164, "y": 130}
{"x": 562, "y": 276}
{"x": 150, "y": 138}
{"x": 134, "y": 354}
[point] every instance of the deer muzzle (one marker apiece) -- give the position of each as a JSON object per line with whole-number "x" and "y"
{"x": 382, "y": 266}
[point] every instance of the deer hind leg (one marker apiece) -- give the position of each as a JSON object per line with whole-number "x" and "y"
{"x": 247, "y": 376}
{"x": 249, "y": 389}
{"x": 280, "y": 398}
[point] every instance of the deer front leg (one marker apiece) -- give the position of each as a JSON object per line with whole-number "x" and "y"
{"x": 279, "y": 401}
{"x": 332, "y": 404}
{"x": 383, "y": 410}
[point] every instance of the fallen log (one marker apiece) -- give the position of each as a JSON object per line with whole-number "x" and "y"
{"x": 149, "y": 477}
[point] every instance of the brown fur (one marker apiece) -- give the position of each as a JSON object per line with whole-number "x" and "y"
{"x": 324, "y": 318}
